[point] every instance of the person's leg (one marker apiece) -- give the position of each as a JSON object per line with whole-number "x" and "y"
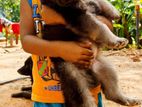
{"x": 100, "y": 103}
{"x": 39, "y": 104}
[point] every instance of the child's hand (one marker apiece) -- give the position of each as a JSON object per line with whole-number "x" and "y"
{"x": 79, "y": 53}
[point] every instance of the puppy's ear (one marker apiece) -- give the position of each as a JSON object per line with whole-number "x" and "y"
{"x": 108, "y": 9}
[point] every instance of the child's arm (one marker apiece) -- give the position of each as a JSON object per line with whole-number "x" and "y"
{"x": 75, "y": 52}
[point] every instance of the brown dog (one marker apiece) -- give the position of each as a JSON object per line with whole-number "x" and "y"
{"x": 85, "y": 25}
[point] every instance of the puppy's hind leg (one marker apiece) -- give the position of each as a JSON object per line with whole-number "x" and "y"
{"x": 74, "y": 86}
{"x": 108, "y": 78}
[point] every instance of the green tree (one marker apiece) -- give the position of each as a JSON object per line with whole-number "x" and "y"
{"x": 10, "y": 8}
{"x": 126, "y": 26}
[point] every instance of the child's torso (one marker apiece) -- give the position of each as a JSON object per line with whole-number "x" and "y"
{"x": 46, "y": 85}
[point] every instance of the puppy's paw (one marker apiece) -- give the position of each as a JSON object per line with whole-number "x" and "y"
{"x": 123, "y": 100}
{"x": 118, "y": 43}
{"x": 129, "y": 101}
{"x": 133, "y": 101}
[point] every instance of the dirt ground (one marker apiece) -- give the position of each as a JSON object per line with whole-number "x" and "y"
{"x": 127, "y": 63}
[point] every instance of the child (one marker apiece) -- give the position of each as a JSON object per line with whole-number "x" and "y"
{"x": 46, "y": 90}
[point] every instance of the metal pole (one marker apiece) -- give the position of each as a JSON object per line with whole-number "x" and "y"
{"x": 137, "y": 24}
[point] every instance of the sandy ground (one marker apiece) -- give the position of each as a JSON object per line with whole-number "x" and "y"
{"x": 127, "y": 62}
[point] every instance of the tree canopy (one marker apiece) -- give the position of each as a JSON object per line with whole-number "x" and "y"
{"x": 10, "y": 9}
{"x": 125, "y": 27}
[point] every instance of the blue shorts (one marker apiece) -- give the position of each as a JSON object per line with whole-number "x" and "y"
{"x": 39, "y": 104}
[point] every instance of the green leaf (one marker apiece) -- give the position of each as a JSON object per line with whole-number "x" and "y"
{"x": 118, "y": 26}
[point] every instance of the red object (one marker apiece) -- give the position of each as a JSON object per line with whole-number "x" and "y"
{"x": 1, "y": 28}
{"x": 16, "y": 28}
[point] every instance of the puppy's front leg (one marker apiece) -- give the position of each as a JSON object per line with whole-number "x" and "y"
{"x": 106, "y": 37}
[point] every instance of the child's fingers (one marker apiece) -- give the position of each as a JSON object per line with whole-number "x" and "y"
{"x": 85, "y": 44}
{"x": 88, "y": 52}
{"x": 86, "y": 58}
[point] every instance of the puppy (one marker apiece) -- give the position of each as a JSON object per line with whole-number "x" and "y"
{"x": 82, "y": 24}
{"x": 27, "y": 71}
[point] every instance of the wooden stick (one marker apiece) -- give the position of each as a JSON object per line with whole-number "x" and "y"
{"x": 13, "y": 80}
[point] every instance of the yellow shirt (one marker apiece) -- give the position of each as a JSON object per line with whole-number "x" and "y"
{"x": 46, "y": 86}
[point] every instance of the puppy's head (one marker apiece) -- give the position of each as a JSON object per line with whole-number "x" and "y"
{"x": 27, "y": 68}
